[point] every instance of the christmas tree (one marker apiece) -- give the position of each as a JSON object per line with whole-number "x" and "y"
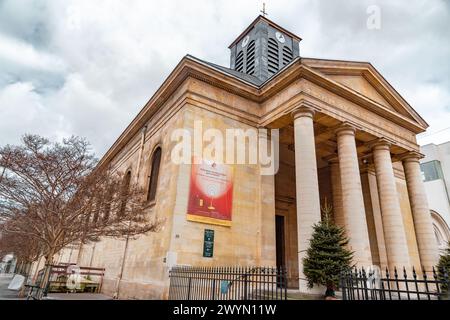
{"x": 327, "y": 256}
{"x": 444, "y": 268}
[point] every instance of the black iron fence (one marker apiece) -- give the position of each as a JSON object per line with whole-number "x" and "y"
{"x": 227, "y": 283}
{"x": 375, "y": 284}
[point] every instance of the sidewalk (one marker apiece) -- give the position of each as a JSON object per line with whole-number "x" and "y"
{"x": 5, "y": 294}
{"x": 77, "y": 296}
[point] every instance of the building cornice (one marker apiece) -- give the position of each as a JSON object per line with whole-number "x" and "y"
{"x": 190, "y": 67}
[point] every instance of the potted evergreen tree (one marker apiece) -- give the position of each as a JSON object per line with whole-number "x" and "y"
{"x": 327, "y": 256}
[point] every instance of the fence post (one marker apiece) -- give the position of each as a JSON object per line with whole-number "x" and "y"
{"x": 425, "y": 278}
{"x": 446, "y": 280}
{"x": 364, "y": 279}
{"x": 189, "y": 289}
{"x": 342, "y": 285}
{"x": 245, "y": 287}
{"x": 213, "y": 289}
{"x": 437, "y": 283}
{"x": 396, "y": 284}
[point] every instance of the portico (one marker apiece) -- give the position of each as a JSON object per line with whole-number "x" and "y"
{"x": 331, "y": 158}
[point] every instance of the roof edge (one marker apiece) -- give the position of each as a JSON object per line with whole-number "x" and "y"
{"x": 271, "y": 23}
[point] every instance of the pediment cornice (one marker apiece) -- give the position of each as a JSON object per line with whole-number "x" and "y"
{"x": 369, "y": 73}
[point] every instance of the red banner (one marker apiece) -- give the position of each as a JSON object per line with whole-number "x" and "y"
{"x": 210, "y": 192}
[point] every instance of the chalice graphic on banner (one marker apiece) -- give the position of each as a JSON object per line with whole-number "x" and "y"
{"x": 212, "y": 191}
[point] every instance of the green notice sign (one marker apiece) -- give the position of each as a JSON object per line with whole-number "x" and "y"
{"x": 208, "y": 243}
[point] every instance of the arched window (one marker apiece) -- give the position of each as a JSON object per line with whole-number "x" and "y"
{"x": 441, "y": 230}
{"x": 124, "y": 192}
{"x": 153, "y": 178}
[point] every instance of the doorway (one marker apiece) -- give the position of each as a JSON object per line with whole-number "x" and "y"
{"x": 280, "y": 241}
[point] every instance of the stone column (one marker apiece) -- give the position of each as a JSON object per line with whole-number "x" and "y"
{"x": 423, "y": 224}
{"x": 394, "y": 230}
{"x": 307, "y": 184}
{"x": 336, "y": 190}
{"x": 352, "y": 196}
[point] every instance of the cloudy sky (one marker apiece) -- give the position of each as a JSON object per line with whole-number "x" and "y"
{"x": 87, "y": 67}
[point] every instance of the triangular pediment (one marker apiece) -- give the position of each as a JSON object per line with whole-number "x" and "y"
{"x": 359, "y": 84}
{"x": 363, "y": 79}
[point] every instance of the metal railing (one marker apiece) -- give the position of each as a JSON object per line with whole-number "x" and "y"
{"x": 359, "y": 284}
{"x": 227, "y": 283}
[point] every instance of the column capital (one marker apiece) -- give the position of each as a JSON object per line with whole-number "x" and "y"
{"x": 379, "y": 144}
{"x": 263, "y": 131}
{"x": 345, "y": 128}
{"x": 411, "y": 156}
{"x": 332, "y": 158}
{"x": 366, "y": 164}
{"x": 304, "y": 111}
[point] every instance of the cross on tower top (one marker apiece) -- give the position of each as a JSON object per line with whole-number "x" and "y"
{"x": 263, "y": 11}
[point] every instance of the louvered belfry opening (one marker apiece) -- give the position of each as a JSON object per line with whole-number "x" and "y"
{"x": 272, "y": 56}
{"x": 287, "y": 55}
{"x": 240, "y": 62}
{"x": 251, "y": 58}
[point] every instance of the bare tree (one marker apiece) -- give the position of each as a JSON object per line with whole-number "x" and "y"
{"x": 55, "y": 194}
{"x": 24, "y": 249}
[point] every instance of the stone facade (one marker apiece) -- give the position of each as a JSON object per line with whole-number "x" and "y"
{"x": 344, "y": 132}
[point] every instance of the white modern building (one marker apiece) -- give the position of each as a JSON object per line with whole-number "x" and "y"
{"x": 435, "y": 167}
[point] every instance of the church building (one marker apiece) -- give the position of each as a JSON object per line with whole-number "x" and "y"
{"x": 345, "y": 137}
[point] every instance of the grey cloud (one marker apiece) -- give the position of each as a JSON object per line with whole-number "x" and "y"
{"x": 25, "y": 19}
{"x": 115, "y": 54}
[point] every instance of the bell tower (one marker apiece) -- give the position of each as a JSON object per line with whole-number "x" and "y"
{"x": 263, "y": 49}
